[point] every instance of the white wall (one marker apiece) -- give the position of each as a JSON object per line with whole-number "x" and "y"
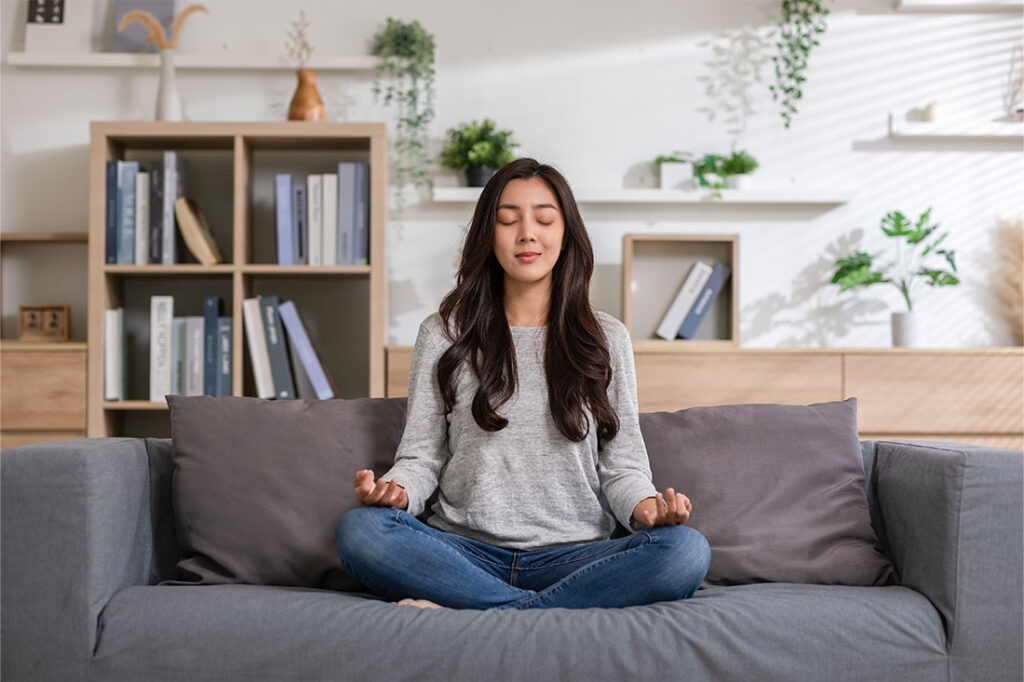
{"x": 599, "y": 89}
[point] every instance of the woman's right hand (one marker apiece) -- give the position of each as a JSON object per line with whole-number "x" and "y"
{"x": 380, "y": 494}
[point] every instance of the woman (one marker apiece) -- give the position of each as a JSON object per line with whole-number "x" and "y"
{"x": 522, "y": 411}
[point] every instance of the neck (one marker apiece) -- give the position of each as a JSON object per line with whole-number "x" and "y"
{"x": 526, "y": 305}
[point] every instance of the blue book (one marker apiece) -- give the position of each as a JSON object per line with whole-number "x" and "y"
{"x": 346, "y": 212}
{"x": 300, "y": 340}
{"x": 362, "y": 221}
{"x": 225, "y": 375}
{"x": 111, "y": 250}
{"x": 283, "y": 206}
{"x": 703, "y": 303}
{"x": 126, "y": 216}
{"x": 284, "y": 387}
{"x": 299, "y": 227}
{"x": 211, "y": 313}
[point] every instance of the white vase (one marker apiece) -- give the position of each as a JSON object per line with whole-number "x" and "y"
{"x": 741, "y": 181}
{"x": 676, "y": 175}
{"x": 909, "y": 330}
{"x": 168, "y": 102}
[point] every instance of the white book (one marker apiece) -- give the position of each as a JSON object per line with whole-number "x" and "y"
{"x": 142, "y": 218}
{"x": 695, "y": 281}
{"x": 330, "y": 218}
{"x": 161, "y": 313}
{"x": 314, "y": 203}
{"x": 113, "y": 354}
{"x": 194, "y": 355}
{"x": 179, "y": 347}
{"x": 257, "y": 344}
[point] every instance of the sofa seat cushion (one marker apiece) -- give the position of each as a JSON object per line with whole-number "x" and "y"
{"x": 768, "y": 631}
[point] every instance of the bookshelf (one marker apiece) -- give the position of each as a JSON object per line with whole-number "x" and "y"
{"x": 230, "y": 174}
{"x": 654, "y": 267}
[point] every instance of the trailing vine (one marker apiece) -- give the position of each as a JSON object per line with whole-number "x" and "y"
{"x": 801, "y": 21}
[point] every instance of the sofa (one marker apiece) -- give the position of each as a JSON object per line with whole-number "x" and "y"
{"x": 89, "y": 534}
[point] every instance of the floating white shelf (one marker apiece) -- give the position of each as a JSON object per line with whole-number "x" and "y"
{"x": 931, "y": 7}
{"x": 665, "y": 196}
{"x": 988, "y": 131}
{"x": 124, "y": 60}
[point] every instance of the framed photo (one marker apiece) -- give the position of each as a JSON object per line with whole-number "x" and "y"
{"x": 44, "y": 322}
{"x": 63, "y": 26}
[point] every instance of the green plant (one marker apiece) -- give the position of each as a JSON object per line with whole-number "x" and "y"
{"x": 674, "y": 157}
{"x": 710, "y": 164}
{"x": 739, "y": 163}
{"x": 407, "y": 62}
{"x": 909, "y": 268}
{"x": 478, "y": 144}
{"x": 801, "y": 20}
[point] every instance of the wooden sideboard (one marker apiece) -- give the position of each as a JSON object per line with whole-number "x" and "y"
{"x": 43, "y": 392}
{"x": 961, "y": 395}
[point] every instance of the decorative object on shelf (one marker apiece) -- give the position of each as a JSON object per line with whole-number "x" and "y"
{"x": 306, "y": 104}
{"x": 1008, "y": 282}
{"x": 735, "y": 65}
{"x": 134, "y": 38}
{"x": 407, "y": 62}
{"x": 168, "y": 101}
{"x": 61, "y": 26}
{"x": 737, "y": 169}
{"x": 1013, "y": 87}
{"x": 47, "y": 323}
{"x": 675, "y": 170}
{"x": 801, "y": 20}
{"x": 709, "y": 175}
{"x": 196, "y": 232}
{"x": 906, "y": 273}
{"x": 479, "y": 149}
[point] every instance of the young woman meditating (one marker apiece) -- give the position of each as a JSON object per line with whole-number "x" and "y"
{"x": 522, "y": 410}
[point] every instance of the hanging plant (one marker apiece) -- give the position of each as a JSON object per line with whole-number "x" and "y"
{"x": 407, "y": 66}
{"x": 801, "y": 21}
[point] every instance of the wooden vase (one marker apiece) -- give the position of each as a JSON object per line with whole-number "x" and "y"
{"x": 306, "y": 104}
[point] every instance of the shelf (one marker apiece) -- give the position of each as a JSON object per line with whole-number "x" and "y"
{"x": 664, "y": 196}
{"x": 123, "y": 60}
{"x": 311, "y": 270}
{"x": 13, "y": 345}
{"x": 989, "y": 131}
{"x": 133, "y": 405}
{"x": 957, "y": 7}
{"x": 44, "y": 237}
{"x": 162, "y": 270}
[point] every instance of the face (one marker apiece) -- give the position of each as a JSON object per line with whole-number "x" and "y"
{"x": 529, "y": 221}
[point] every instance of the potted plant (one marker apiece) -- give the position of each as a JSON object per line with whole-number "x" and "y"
{"x": 675, "y": 170}
{"x": 407, "y": 62}
{"x": 479, "y": 149}
{"x": 306, "y": 104}
{"x": 737, "y": 169}
{"x": 907, "y": 273}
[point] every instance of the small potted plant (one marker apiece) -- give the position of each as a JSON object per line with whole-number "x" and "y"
{"x": 675, "y": 170}
{"x": 737, "y": 169}
{"x": 907, "y": 273}
{"x": 479, "y": 149}
{"x": 306, "y": 103}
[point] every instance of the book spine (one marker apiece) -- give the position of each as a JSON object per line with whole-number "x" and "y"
{"x": 346, "y": 212}
{"x": 314, "y": 201}
{"x": 257, "y": 342}
{"x": 362, "y": 214}
{"x": 299, "y": 223}
{"x": 225, "y": 374}
{"x": 179, "y": 347}
{"x": 111, "y": 217}
{"x": 156, "y": 213}
{"x": 283, "y": 386}
{"x": 298, "y": 337}
{"x": 161, "y": 312}
{"x": 688, "y": 292}
{"x": 142, "y": 218}
{"x": 170, "y": 193}
{"x": 707, "y": 296}
{"x": 283, "y": 210}
{"x": 211, "y": 314}
{"x": 113, "y": 323}
{"x": 194, "y": 356}
{"x": 126, "y": 251}
{"x": 303, "y": 386}
{"x": 330, "y": 219}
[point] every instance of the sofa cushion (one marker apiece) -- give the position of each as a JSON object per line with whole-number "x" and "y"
{"x": 259, "y": 485}
{"x": 777, "y": 490}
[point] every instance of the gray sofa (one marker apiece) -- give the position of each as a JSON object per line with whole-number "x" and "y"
{"x": 88, "y": 533}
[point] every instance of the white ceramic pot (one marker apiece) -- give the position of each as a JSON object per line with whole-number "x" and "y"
{"x": 676, "y": 175}
{"x": 738, "y": 181}
{"x": 909, "y": 330}
{"x": 168, "y": 102}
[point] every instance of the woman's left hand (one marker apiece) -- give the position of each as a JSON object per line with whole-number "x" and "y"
{"x": 672, "y": 510}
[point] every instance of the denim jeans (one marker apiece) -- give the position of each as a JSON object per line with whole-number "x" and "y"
{"x": 396, "y": 556}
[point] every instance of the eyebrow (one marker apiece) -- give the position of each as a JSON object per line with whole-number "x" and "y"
{"x": 514, "y": 207}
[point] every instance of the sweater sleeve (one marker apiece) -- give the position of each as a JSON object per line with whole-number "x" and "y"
{"x": 423, "y": 449}
{"x": 623, "y": 466}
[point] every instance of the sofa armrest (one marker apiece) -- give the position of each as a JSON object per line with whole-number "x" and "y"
{"x": 75, "y": 530}
{"x": 953, "y": 518}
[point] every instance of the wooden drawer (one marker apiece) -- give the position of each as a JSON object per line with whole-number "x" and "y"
{"x": 935, "y": 393}
{"x": 42, "y": 390}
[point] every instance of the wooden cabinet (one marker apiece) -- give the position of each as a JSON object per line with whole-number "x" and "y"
{"x": 43, "y": 395}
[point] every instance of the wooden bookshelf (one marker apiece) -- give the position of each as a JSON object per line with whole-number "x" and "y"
{"x": 230, "y": 169}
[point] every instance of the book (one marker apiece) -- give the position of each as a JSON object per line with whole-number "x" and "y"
{"x": 284, "y": 388}
{"x": 194, "y": 355}
{"x": 346, "y": 212}
{"x": 156, "y": 213}
{"x": 684, "y": 300}
{"x": 141, "y": 217}
{"x": 318, "y": 376}
{"x": 283, "y": 212}
{"x": 704, "y": 300}
{"x": 225, "y": 355}
{"x": 362, "y": 220}
{"x": 211, "y": 315}
{"x": 300, "y": 235}
{"x": 329, "y": 223}
{"x": 257, "y": 343}
{"x": 126, "y": 216}
{"x": 110, "y": 213}
{"x": 161, "y": 314}
{"x": 196, "y": 232}
{"x": 179, "y": 347}
{"x": 114, "y": 366}
{"x": 174, "y": 187}
{"x": 314, "y": 203}
{"x": 303, "y": 386}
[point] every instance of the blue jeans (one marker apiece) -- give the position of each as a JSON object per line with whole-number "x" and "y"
{"x": 396, "y": 556}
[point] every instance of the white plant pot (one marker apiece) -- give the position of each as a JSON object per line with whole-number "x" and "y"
{"x": 909, "y": 330}
{"x": 737, "y": 181}
{"x": 168, "y": 102}
{"x": 676, "y": 175}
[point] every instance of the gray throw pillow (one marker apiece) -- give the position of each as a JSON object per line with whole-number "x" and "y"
{"x": 777, "y": 490}
{"x": 259, "y": 485}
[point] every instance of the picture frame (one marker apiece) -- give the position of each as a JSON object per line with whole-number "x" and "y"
{"x": 44, "y": 323}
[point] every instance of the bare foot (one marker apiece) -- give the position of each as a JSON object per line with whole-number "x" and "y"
{"x": 421, "y": 603}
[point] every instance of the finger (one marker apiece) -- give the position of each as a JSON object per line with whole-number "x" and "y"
{"x": 670, "y": 510}
{"x": 394, "y": 493}
{"x": 647, "y": 518}
{"x": 377, "y": 491}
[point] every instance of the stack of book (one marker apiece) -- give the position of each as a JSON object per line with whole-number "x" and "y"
{"x": 140, "y": 210}
{"x": 699, "y": 290}
{"x": 324, "y": 218}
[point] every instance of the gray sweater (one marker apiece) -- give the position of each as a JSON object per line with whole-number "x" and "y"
{"x": 526, "y": 486}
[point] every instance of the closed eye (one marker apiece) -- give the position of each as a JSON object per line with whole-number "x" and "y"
{"x": 513, "y": 223}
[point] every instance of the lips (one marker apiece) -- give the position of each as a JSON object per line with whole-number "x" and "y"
{"x": 528, "y": 256}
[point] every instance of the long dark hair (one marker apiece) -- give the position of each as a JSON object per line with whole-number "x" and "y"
{"x": 576, "y": 351}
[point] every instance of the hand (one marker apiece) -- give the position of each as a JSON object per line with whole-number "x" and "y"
{"x": 655, "y": 511}
{"x": 382, "y": 494}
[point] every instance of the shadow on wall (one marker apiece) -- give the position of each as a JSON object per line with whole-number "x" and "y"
{"x": 812, "y": 312}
